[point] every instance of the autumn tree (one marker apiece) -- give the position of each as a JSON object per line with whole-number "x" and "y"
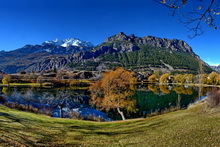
{"x": 214, "y": 98}
{"x": 164, "y": 78}
{"x": 114, "y": 91}
{"x": 179, "y": 78}
{"x": 204, "y": 78}
{"x": 40, "y": 80}
{"x": 212, "y": 78}
{"x": 152, "y": 79}
{"x": 194, "y": 14}
{"x": 218, "y": 79}
{"x": 6, "y": 80}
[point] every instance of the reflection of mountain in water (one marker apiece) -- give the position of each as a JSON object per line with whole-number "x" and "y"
{"x": 75, "y": 102}
{"x": 55, "y": 102}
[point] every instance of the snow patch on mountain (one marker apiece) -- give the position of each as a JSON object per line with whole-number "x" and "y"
{"x": 70, "y": 42}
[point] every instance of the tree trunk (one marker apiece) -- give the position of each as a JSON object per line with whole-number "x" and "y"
{"x": 179, "y": 101}
{"x": 121, "y": 113}
{"x": 61, "y": 112}
{"x": 200, "y": 79}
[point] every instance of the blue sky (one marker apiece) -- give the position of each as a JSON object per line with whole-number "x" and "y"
{"x": 35, "y": 21}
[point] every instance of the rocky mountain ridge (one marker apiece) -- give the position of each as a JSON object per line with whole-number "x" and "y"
{"x": 148, "y": 53}
{"x": 59, "y": 47}
{"x": 132, "y": 40}
{"x": 117, "y": 44}
{"x": 216, "y": 67}
{"x": 22, "y": 58}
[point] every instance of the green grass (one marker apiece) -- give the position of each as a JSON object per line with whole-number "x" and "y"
{"x": 190, "y": 127}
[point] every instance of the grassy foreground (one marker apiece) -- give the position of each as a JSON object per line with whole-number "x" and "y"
{"x": 191, "y": 127}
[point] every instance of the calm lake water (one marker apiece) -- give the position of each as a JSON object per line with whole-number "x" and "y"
{"x": 76, "y": 103}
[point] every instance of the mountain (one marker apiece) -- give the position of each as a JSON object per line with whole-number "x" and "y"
{"x": 22, "y": 58}
{"x": 60, "y": 47}
{"x": 216, "y": 67}
{"x": 70, "y": 42}
{"x": 136, "y": 53}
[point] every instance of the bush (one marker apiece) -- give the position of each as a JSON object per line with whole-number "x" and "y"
{"x": 2, "y": 99}
{"x": 90, "y": 117}
{"x": 214, "y": 98}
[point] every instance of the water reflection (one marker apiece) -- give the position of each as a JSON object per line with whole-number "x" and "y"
{"x": 76, "y": 103}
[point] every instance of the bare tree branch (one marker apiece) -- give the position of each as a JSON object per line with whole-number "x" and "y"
{"x": 203, "y": 13}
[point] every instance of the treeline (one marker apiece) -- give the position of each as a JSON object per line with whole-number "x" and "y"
{"x": 50, "y": 78}
{"x": 210, "y": 79}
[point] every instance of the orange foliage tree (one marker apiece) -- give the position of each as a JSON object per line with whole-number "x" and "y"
{"x": 114, "y": 91}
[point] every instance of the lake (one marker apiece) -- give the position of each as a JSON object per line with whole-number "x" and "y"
{"x": 75, "y": 102}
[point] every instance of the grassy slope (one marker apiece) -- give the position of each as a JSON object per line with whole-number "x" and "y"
{"x": 192, "y": 127}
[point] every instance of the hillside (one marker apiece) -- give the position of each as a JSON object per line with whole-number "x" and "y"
{"x": 143, "y": 53}
{"x": 20, "y": 59}
{"x": 146, "y": 53}
{"x": 191, "y": 127}
{"x": 216, "y": 67}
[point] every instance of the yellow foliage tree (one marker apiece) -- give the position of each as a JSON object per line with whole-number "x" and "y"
{"x": 114, "y": 91}
{"x": 204, "y": 78}
{"x": 152, "y": 78}
{"x": 164, "y": 78}
{"x": 218, "y": 80}
{"x": 6, "y": 80}
{"x": 189, "y": 78}
{"x": 212, "y": 78}
{"x": 179, "y": 78}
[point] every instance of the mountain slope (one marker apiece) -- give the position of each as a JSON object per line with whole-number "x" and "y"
{"x": 216, "y": 67}
{"x": 136, "y": 53}
{"x": 131, "y": 52}
{"x": 20, "y": 59}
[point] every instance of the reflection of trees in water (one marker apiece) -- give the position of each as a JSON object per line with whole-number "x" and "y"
{"x": 16, "y": 96}
{"x": 144, "y": 101}
{"x": 153, "y": 88}
{"x": 162, "y": 97}
{"x": 119, "y": 103}
{"x": 63, "y": 98}
{"x": 44, "y": 98}
{"x": 29, "y": 97}
{"x": 164, "y": 89}
{"x": 148, "y": 102}
{"x": 114, "y": 91}
{"x": 204, "y": 90}
{"x": 7, "y": 90}
{"x": 178, "y": 102}
{"x": 180, "y": 89}
{"x": 60, "y": 100}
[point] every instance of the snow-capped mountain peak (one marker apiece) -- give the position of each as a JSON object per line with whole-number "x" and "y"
{"x": 70, "y": 42}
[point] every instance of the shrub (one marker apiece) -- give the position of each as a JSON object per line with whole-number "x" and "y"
{"x": 2, "y": 99}
{"x": 214, "y": 98}
{"x": 6, "y": 79}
